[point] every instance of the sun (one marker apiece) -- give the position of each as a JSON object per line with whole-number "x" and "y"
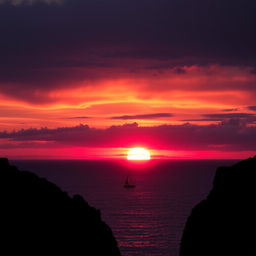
{"x": 138, "y": 154}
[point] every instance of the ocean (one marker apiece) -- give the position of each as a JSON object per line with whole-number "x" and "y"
{"x": 147, "y": 220}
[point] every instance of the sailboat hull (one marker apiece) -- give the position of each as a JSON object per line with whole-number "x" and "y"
{"x": 129, "y": 186}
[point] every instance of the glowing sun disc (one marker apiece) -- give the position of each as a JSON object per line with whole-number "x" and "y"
{"x": 138, "y": 154}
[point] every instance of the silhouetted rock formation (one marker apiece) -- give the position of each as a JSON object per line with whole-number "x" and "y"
{"x": 38, "y": 218}
{"x": 224, "y": 223}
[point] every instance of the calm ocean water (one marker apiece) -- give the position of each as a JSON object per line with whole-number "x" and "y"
{"x": 147, "y": 220}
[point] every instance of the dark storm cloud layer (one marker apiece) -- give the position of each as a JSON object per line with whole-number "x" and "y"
{"x": 253, "y": 108}
{"x": 225, "y": 136}
{"x": 213, "y": 30}
{"x": 30, "y": 2}
{"x": 144, "y": 116}
{"x": 40, "y": 42}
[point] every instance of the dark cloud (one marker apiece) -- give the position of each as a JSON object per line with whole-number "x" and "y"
{"x": 41, "y": 45}
{"x": 238, "y": 122}
{"x": 253, "y": 108}
{"x": 227, "y": 119}
{"x": 167, "y": 66}
{"x": 230, "y": 115}
{"x": 30, "y": 2}
{"x": 143, "y": 116}
{"x": 230, "y": 109}
{"x": 78, "y": 117}
{"x": 201, "y": 120}
{"x": 232, "y": 119}
{"x": 180, "y": 70}
{"x": 173, "y": 137}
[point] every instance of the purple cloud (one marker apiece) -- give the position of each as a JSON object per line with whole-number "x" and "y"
{"x": 253, "y": 108}
{"x": 30, "y": 2}
{"x": 253, "y": 71}
{"x": 78, "y": 117}
{"x": 143, "y": 116}
{"x": 227, "y": 118}
{"x": 230, "y": 115}
{"x": 173, "y": 137}
{"x": 230, "y": 109}
{"x": 201, "y": 120}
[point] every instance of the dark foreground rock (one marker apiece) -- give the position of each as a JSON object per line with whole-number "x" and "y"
{"x": 225, "y": 223}
{"x": 38, "y": 218}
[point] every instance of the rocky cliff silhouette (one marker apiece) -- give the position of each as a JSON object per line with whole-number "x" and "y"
{"x": 38, "y": 218}
{"x": 225, "y": 223}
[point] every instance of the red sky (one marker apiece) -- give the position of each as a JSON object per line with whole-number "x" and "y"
{"x": 102, "y": 77}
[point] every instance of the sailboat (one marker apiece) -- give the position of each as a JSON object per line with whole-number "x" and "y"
{"x": 128, "y": 183}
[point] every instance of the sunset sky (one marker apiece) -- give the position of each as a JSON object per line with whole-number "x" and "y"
{"x": 92, "y": 78}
